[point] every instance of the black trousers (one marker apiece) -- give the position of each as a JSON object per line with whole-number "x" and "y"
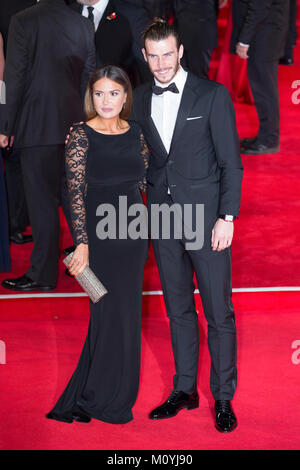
{"x": 17, "y": 208}
{"x": 263, "y": 79}
{"x": 176, "y": 268}
{"x": 42, "y": 173}
{"x": 292, "y": 32}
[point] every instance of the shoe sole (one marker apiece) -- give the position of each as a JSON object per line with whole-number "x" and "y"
{"x": 223, "y": 431}
{"x": 187, "y": 407}
{"x": 38, "y": 289}
{"x": 253, "y": 152}
{"x": 20, "y": 243}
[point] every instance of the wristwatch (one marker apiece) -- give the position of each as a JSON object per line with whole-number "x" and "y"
{"x": 227, "y": 217}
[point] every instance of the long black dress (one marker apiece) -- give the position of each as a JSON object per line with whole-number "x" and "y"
{"x": 100, "y": 168}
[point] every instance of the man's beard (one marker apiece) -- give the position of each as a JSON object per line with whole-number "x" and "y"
{"x": 170, "y": 79}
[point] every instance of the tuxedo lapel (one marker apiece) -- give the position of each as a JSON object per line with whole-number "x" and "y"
{"x": 186, "y": 105}
{"x": 155, "y": 137}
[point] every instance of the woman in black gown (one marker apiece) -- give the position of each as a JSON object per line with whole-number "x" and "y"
{"x": 107, "y": 157}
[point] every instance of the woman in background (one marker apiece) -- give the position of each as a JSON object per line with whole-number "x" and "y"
{"x": 106, "y": 157}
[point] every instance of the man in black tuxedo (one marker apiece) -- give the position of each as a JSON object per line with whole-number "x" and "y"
{"x": 112, "y": 32}
{"x": 189, "y": 125}
{"x": 258, "y": 35}
{"x": 197, "y": 24}
{"x": 44, "y": 87}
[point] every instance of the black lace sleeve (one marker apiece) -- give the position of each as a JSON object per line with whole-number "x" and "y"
{"x": 75, "y": 159}
{"x": 146, "y": 155}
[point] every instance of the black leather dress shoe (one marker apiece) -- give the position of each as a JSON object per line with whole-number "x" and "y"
{"x": 69, "y": 250}
{"x": 225, "y": 417}
{"x": 248, "y": 141}
{"x": 258, "y": 149}
{"x": 286, "y": 60}
{"x": 25, "y": 284}
{"x": 20, "y": 239}
{"x": 176, "y": 402}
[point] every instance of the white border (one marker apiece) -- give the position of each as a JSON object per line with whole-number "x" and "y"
{"x": 153, "y": 292}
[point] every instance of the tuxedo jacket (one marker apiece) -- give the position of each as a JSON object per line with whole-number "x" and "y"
{"x": 8, "y": 8}
{"x": 113, "y": 38}
{"x": 197, "y": 23}
{"x": 50, "y": 56}
{"x": 204, "y": 164}
{"x": 138, "y": 17}
{"x": 263, "y": 24}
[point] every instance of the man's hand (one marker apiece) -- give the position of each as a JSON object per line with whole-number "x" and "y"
{"x": 222, "y": 3}
{"x": 80, "y": 259}
{"x": 222, "y": 235}
{"x": 4, "y": 140}
{"x": 242, "y": 51}
{"x": 70, "y": 130}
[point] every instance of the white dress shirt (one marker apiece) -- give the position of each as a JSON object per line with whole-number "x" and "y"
{"x": 99, "y": 9}
{"x": 164, "y": 108}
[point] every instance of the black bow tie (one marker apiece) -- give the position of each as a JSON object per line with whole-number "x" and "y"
{"x": 158, "y": 90}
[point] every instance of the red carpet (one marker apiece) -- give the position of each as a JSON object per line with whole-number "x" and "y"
{"x": 44, "y": 337}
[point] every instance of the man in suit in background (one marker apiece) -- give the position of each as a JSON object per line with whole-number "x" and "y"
{"x": 197, "y": 24}
{"x": 138, "y": 17}
{"x": 258, "y": 36}
{"x": 18, "y": 214}
{"x": 189, "y": 125}
{"x": 139, "y": 14}
{"x": 288, "y": 56}
{"x": 113, "y": 38}
{"x": 44, "y": 86}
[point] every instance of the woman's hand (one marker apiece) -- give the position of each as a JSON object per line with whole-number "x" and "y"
{"x": 79, "y": 260}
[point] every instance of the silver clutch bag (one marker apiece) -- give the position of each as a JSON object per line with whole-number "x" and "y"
{"x": 89, "y": 282}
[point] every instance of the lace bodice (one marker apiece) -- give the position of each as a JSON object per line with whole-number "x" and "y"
{"x": 76, "y": 165}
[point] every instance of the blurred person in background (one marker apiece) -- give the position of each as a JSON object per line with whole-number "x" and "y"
{"x": 258, "y": 36}
{"x": 17, "y": 207}
{"x": 138, "y": 16}
{"x": 113, "y": 38}
{"x": 4, "y": 243}
{"x": 288, "y": 57}
{"x": 196, "y": 21}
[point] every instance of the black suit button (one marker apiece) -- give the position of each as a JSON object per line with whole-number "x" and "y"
{"x": 170, "y": 162}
